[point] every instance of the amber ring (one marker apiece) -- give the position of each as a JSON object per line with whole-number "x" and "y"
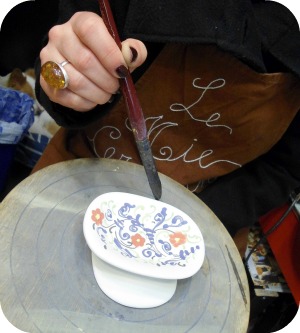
{"x": 55, "y": 75}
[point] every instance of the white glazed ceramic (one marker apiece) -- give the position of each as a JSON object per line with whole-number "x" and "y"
{"x": 143, "y": 236}
{"x": 130, "y": 289}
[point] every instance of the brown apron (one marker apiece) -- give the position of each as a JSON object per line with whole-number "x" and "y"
{"x": 207, "y": 114}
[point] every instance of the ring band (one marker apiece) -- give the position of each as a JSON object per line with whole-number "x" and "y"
{"x": 55, "y": 75}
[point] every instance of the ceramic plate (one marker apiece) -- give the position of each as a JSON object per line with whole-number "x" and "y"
{"x": 143, "y": 236}
{"x": 130, "y": 289}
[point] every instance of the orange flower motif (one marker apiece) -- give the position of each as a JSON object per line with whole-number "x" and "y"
{"x": 137, "y": 240}
{"x": 97, "y": 216}
{"x": 178, "y": 238}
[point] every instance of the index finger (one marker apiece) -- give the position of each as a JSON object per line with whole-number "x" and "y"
{"x": 92, "y": 32}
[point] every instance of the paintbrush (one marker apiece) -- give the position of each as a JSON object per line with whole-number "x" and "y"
{"x": 134, "y": 109}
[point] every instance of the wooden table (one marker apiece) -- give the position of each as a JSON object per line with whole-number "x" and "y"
{"x": 46, "y": 278}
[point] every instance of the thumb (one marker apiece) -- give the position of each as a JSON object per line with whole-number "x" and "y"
{"x": 134, "y": 53}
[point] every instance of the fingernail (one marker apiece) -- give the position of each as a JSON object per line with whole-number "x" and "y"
{"x": 122, "y": 71}
{"x": 134, "y": 54}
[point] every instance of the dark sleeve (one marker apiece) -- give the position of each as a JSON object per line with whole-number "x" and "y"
{"x": 240, "y": 198}
{"x": 67, "y": 8}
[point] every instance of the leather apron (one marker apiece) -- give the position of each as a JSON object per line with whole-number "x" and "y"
{"x": 206, "y": 112}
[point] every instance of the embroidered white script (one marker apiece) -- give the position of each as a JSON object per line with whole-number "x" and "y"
{"x": 158, "y": 126}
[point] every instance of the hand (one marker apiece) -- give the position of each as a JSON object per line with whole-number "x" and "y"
{"x": 96, "y": 62}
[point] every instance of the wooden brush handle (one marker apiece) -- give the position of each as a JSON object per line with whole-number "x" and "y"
{"x": 134, "y": 109}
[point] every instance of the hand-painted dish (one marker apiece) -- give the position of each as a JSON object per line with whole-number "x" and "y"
{"x": 143, "y": 236}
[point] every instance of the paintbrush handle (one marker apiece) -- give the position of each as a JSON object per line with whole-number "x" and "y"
{"x": 134, "y": 109}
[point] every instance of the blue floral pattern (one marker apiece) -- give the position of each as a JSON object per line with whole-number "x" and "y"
{"x": 159, "y": 237}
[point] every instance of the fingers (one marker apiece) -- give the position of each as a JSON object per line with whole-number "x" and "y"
{"x": 67, "y": 98}
{"x": 96, "y": 62}
{"x": 93, "y": 33}
{"x": 65, "y": 42}
{"x": 134, "y": 53}
{"x": 82, "y": 94}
